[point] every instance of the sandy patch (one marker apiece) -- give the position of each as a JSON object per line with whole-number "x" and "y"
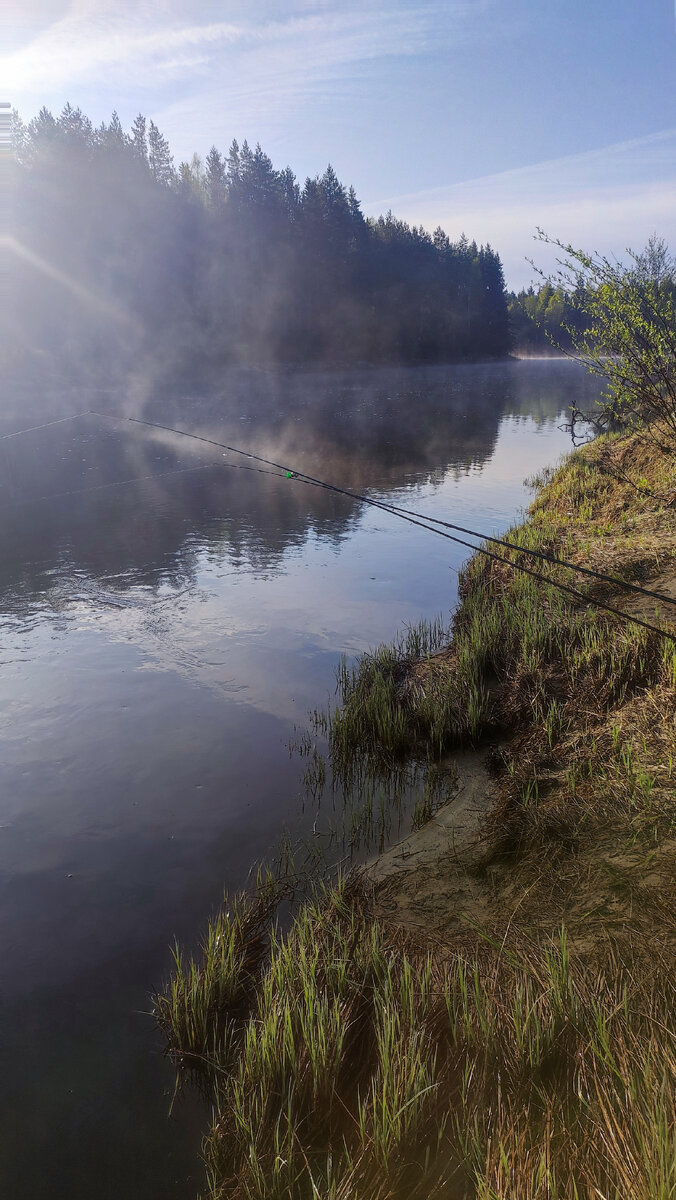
{"x": 429, "y": 880}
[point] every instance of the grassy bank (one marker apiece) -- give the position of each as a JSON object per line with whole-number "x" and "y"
{"x": 534, "y": 1057}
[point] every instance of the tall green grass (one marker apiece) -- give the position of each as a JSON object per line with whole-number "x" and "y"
{"x": 364, "y": 1065}
{"x": 207, "y": 995}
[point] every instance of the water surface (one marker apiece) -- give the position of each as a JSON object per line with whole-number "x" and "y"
{"x": 166, "y": 622}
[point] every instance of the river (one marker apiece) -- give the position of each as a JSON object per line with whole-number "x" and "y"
{"x": 166, "y": 622}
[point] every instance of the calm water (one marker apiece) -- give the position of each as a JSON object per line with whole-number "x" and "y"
{"x": 160, "y": 639}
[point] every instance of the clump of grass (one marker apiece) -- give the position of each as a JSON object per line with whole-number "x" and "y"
{"x": 208, "y": 995}
{"x": 377, "y": 713}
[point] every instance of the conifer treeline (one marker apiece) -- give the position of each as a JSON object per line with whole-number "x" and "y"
{"x": 230, "y": 260}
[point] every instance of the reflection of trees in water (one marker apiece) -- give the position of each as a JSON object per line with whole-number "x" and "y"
{"x": 543, "y": 389}
{"x": 361, "y": 429}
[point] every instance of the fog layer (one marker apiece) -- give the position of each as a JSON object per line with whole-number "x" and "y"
{"x": 121, "y": 262}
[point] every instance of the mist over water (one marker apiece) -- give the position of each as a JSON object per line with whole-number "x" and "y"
{"x": 166, "y": 621}
{"x": 116, "y": 261}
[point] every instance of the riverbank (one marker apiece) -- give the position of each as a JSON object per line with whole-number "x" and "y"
{"x": 578, "y": 706}
{"x": 488, "y": 1010}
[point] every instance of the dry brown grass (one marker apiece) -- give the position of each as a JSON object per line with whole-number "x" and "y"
{"x": 613, "y": 508}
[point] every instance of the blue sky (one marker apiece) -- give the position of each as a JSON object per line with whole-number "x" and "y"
{"x": 485, "y": 116}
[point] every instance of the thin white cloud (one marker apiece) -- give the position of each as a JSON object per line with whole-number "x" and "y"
{"x": 328, "y": 55}
{"x": 95, "y": 44}
{"x": 258, "y": 69}
{"x": 71, "y": 51}
{"x": 604, "y": 199}
{"x": 652, "y": 153}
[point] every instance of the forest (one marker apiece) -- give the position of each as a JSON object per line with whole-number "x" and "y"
{"x": 118, "y": 257}
{"x": 547, "y": 320}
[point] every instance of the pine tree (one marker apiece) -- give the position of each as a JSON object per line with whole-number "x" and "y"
{"x": 354, "y": 205}
{"x": 262, "y": 181}
{"x": 245, "y": 161}
{"x": 19, "y": 139}
{"x": 290, "y": 193}
{"x": 138, "y": 138}
{"x": 43, "y": 129}
{"x": 75, "y": 130}
{"x": 495, "y": 333}
{"x": 115, "y": 134}
{"x": 215, "y": 177}
{"x": 233, "y": 169}
{"x": 160, "y": 159}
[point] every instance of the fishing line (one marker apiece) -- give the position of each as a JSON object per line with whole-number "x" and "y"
{"x": 417, "y": 518}
{"x": 139, "y": 479}
{"x": 99, "y": 487}
{"x": 46, "y": 424}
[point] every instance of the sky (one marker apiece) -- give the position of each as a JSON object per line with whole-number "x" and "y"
{"x": 488, "y": 117}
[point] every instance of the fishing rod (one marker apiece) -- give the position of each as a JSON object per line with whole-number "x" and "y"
{"x": 420, "y": 519}
{"x": 550, "y": 558}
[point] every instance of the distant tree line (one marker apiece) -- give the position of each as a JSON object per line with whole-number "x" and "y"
{"x": 119, "y": 253}
{"x": 545, "y": 320}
